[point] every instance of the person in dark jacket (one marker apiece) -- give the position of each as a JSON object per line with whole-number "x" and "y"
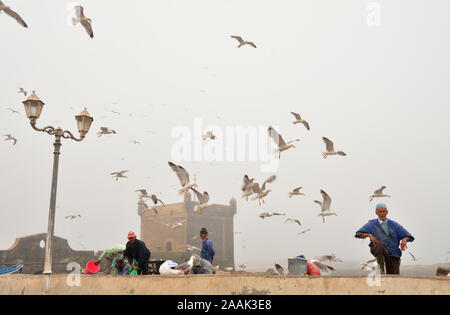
{"x": 207, "y": 246}
{"x": 136, "y": 249}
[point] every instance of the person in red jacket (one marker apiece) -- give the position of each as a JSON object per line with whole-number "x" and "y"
{"x": 311, "y": 269}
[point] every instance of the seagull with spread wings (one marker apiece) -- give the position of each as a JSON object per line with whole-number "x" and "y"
{"x": 73, "y": 217}
{"x": 12, "y": 110}
{"x": 262, "y": 192}
{"x": 269, "y": 214}
{"x": 330, "y": 149}
{"x": 327, "y": 259}
{"x": 21, "y": 90}
{"x": 369, "y": 265}
{"x": 183, "y": 176}
{"x": 280, "y": 269}
{"x": 13, "y": 14}
{"x": 290, "y": 220}
{"x": 120, "y": 174}
{"x": 83, "y": 20}
{"x": 202, "y": 200}
{"x": 378, "y": 193}
{"x": 209, "y": 135}
{"x": 247, "y": 184}
{"x": 242, "y": 42}
{"x": 9, "y": 137}
{"x": 325, "y": 205}
{"x": 295, "y": 192}
{"x": 279, "y": 142}
{"x": 105, "y": 131}
{"x": 299, "y": 120}
{"x": 303, "y": 232}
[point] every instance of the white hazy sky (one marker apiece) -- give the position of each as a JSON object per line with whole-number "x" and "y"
{"x": 380, "y": 93}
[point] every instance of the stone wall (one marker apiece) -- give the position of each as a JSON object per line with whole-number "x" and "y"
{"x": 28, "y": 250}
{"x": 221, "y": 285}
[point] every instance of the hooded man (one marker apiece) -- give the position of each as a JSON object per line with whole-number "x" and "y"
{"x": 385, "y": 238}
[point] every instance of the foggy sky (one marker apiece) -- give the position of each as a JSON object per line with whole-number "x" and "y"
{"x": 380, "y": 93}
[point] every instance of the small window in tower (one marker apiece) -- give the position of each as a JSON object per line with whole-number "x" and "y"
{"x": 169, "y": 246}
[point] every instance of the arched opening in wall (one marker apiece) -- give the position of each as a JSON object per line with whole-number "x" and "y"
{"x": 169, "y": 246}
{"x": 42, "y": 244}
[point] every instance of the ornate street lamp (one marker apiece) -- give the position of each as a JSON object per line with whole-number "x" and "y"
{"x": 33, "y": 108}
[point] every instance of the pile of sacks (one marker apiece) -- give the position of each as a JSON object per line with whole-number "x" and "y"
{"x": 195, "y": 265}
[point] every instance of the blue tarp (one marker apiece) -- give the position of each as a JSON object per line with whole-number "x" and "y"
{"x": 11, "y": 270}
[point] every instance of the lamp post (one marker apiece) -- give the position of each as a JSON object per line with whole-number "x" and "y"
{"x": 33, "y": 108}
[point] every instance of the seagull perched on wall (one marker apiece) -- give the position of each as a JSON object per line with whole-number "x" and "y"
{"x": 120, "y": 174}
{"x": 242, "y": 42}
{"x": 269, "y": 214}
{"x": 262, "y": 192}
{"x": 9, "y": 137}
{"x": 299, "y": 120}
{"x": 183, "y": 176}
{"x": 378, "y": 193}
{"x": 86, "y": 22}
{"x": 21, "y": 90}
{"x": 202, "y": 200}
{"x": 13, "y": 14}
{"x": 330, "y": 149}
{"x": 325, "y": 205}
{"x": 247, "y": 184}
{"x": 293, "y": 221}
{"x": 279, "y": 142}
{"x": 295, "y": 192}
{"x": 279, "y": 269}
{"x": 105, "y": 131}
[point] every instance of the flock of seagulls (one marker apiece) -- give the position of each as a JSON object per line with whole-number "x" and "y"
{"x": 249, "y": 186}
{"x": 79, "y": 12}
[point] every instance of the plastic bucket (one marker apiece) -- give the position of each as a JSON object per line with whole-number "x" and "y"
{"x": 296, "y": 266}
{"x": 91, "y": 268}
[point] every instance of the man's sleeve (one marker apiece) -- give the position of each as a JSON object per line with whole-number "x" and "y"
{"x": 364, "y": 229}
{"x": 402, "y": 233}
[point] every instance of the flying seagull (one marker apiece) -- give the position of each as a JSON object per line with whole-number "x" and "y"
{"x": 303, "y": 232}
{"x": 269, "y": 214}
{"x": 192, "y": 248}
{"x": 13, "y": 14}
{"x": 247, "y": 184}
{"x": 175, "y": 225}
{"x": 370, "y": 264}
{"x": 262, "y": 192}
{"x": 143, "y": 193}
{"x": 183, "y": 176}
{"x": 202, "y": 200}
{"x": 295, "y": 192}
{"x": 327, "y": 259}
{"x": 243, "y": 266}
{"x": 412, "y": 256}
{"x": 86, "y": 22}
{"x": 72, "y": 217}
{"x": 120, "y": 174}
{"x": 325, "y": 205}
{"x": 330, "y": 149}
{"x": 21, "y": 90}
{"x": 208, "y": 135}
{"x": 242, "y": 42}
{"x": 279, "y": 142}
{"x": 12, "y": 110}
{"x": 293, "y": 221}
{"x": 105, "y": 131}
{"x": 324, "y": 268}
{"x": 299, "y": 120}
{"x": 135, "y": 142}
{"x": 378, "y": 193}
{"x": 9, "y": 137}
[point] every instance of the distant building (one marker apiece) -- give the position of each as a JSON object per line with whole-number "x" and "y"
{"x": 166, "y": 243}
{"x": 31, "y": 251}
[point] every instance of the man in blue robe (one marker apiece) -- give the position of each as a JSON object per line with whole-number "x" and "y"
{"x": 385, "y": 238}
{"x": 207, "y": 246}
